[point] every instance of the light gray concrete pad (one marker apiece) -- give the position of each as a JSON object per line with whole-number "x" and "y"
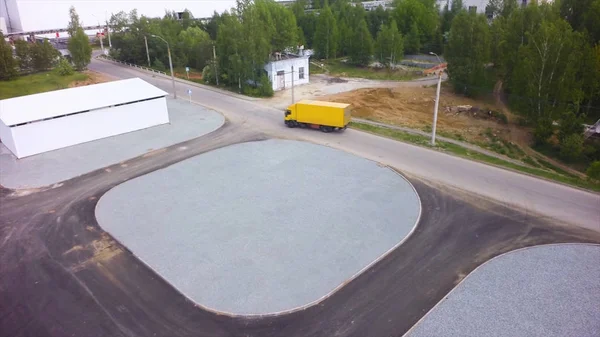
{"x": 261, "y": 227}
{"x": 545, "y": 291}
{"x": 188, "y": 121}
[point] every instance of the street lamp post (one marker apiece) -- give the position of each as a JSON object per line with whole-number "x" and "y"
{"x": 437, "y": 101}
{"x": 107, "y": 29}
{"x": 170, "y": 64}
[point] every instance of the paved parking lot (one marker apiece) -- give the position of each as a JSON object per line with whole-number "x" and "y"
{"x": 261, "y": 227}
{"x": 187, "y": 121}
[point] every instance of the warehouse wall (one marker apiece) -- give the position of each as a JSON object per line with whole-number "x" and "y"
{"x": 6, "y": 137}
{"x": 61, "y": 132}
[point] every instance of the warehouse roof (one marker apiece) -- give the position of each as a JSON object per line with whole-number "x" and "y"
{"x": 24, "y": 109}
{"x": 324, "y": 103}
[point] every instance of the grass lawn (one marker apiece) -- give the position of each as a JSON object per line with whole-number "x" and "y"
{"x": 338, "y": 68}
{"x": 465, "y": 153}
{"x": 37, "y": 83}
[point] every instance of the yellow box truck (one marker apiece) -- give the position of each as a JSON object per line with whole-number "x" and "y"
{"x": 326, "y": 116}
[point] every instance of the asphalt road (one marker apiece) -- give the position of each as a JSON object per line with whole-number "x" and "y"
{"x": 542, "y": 197}
{"x": 62, "y": 275}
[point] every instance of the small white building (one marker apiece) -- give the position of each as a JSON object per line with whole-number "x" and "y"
{"x": 52, "y": 120}
{"x": 279, "y": 70}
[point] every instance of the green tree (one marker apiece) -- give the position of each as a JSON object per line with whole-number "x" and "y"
{"x": 257, "y": 36}
{"x": 306, "y": 21}
{"x": 80, "y": 49}
{"x": 449, "y": 13}
{"x": 74, "y": 23}
{"x": 158, "y": 65}
{"x": 266, "y": 87}
{"x": 389, "y": 47}
{"x": 64, "y": 68}
{"x": 594, "y": 170}
{"x": 23, "y": 53}
{"x": 497, "y": 32}
{"x": 546, "y": 72}
{"x": 286, "y": 28}
{"x": 413, "y": 42}
{"x": 230, "y": 49}
{"x": 377, "y": 19}
{"x": 197, "y": 46}
{"x": 79, "y": 43}
{"x": 467, "y": 52}
{"x": 326, "y": 38}
{"x": 423, "y": 14}
{"x": 572, "y": 147}
{"x": 43, "y": 55}
{"x": 590, "y": 73}
{"x": 8, "y": 64}
{"x": 570, "y": 124}
{"x": 213, "y": 25}
{"x": 362, "y": 45}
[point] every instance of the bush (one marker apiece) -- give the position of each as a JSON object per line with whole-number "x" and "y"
{"x": 64, "y": 67}
{"x": 158, "y": 65}
{"x": 594, "y": 170}
{"x": 208, "y": 74}
{"x": 571, "y": 147}
{"x": 266, "y": 87}
{"x": 570, "y": 124}
{"x": 500, "y": 116}
{"x": 543, "y": 130}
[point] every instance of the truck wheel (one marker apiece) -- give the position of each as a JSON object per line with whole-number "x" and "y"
{"x": 326, "y": 129}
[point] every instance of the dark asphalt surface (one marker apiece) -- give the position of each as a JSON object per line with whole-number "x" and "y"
{"x": 61, "y": 275}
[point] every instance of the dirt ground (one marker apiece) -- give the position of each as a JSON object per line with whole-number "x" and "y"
{"x": 413, "y": 107}
{"x": 93, "y": 78}
{"x": 322, "y": 86}
{"x": 193, "y": 75}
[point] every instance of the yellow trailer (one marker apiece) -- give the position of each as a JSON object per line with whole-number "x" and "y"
{"x": 326, "y": 116}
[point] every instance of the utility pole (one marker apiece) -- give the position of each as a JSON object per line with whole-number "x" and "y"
{"x": 215, "y": 62}
{"x": 107, "y": 29}
{"x": 101, "y": 44}
{"x": 172, "y": 73}
{"x": 437, "y": 101}
{"x": 292, "y": 84}
{"x": 147, "y": 53}
{"x": 170, "y": 64}
{"x": 435, "y": 109}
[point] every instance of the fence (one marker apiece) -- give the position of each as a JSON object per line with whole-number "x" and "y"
{"x": 132, "y": 65}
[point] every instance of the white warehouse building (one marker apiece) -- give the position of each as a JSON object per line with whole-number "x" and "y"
{"x": 279, "y": 70}
{"x": 52, "y": 120}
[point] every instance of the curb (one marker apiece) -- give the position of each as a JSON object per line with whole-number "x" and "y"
{"x": 197, "y": 85}
{"x": 299, "y": 308}
{"x": 489, "y": 164}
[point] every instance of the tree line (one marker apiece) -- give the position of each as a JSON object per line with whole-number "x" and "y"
{"x": 41, "y": 56}
{"x": 547, "y": 57}
{"x": 247, "y": 35}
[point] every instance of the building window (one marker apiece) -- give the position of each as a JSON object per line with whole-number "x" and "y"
{"x": 301, "y": 73}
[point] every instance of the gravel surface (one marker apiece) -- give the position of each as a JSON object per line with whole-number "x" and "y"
{"x": 187, "y": 121}
{"x": 261, "y": 227}
{"x": 544, "y": 291}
